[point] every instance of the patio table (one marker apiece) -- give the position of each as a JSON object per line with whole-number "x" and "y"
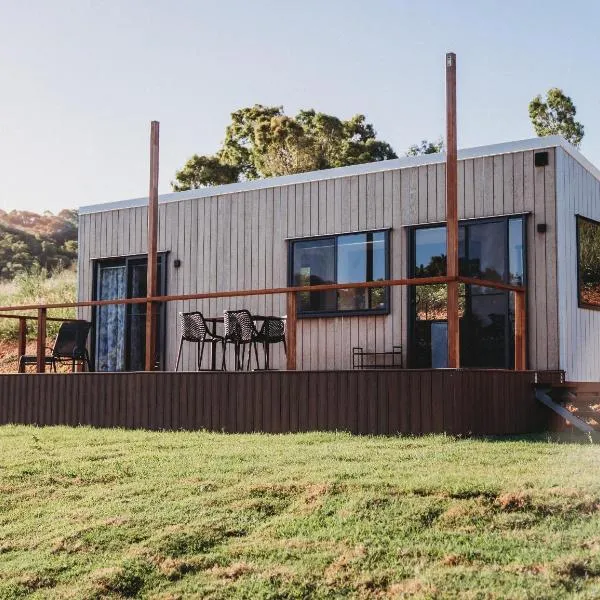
{"x": 221, "y": 319}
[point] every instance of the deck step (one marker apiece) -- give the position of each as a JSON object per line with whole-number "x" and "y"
{"x": 582, "y": 399}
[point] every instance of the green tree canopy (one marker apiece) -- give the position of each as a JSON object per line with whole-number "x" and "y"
{"x": 426, "y": 147}
{"x": 28, "y": 239}
{"x": 201, "y": 171}
{"x": 555, "y": 116}
{"x": 262, "y": 141}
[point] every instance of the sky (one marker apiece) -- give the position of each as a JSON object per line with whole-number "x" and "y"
{"x": 81, "y": 80}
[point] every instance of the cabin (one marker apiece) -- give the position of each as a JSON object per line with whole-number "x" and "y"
{"x": 529, "y": 215}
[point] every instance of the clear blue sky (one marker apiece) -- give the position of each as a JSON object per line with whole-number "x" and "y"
{"x": 81, "y": 80}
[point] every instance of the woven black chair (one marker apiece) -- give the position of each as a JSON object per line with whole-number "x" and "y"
{"x": 69, "y": 346}
{"x": 241, "y": 332}
{"x": 194, "y": 329}
{"x": 272, "y": 331}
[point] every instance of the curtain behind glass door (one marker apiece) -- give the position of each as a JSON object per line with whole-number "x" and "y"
{"x": 110, "y": 320}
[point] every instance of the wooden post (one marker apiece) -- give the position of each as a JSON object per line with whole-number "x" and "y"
{"x": 151, "y": 313}
{"x": 41, "y": 340}
{"x": 22, "y": 342}
{"x": 520, "y": 332}
{"x": 452, "y": 213}
{"x": 291, "y": 330}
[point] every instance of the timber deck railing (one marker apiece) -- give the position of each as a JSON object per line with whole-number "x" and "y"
{"x": 520, "y": 344}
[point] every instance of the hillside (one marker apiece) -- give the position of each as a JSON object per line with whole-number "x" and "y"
{"x": 28, "y": 239}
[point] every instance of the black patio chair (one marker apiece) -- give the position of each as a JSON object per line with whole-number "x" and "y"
{"x": 241, "y": 332}
{"x": 272, "y": 331}
{"x": 195, "y": 329}
{"x": 69, "y": 346}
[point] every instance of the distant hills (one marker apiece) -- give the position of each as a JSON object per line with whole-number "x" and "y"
{"x": 28, "y": 239}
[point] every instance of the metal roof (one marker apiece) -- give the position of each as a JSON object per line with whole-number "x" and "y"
{"x": 538, "y": 143}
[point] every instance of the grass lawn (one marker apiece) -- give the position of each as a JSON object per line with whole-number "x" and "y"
{"x": 93, "y": 514}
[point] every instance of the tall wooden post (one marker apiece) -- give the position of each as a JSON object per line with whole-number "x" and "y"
{"x": 152, "y": 288}
{"x": 520, "y": 332}
{"x": 41, "y": 340}
{"x": 452, "y": 213}
{"x": 290, "y": 327}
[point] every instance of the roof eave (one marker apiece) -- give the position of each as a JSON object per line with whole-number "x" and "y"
{"x": 374, "y": 167}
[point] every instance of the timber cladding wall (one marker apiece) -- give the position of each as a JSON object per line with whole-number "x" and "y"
{"x": 237, "y": 241}
{"x": 362, "y": 402}
{"x": 578, "y": 193}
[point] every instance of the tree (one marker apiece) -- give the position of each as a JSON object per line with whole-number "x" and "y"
{"x": 200, "y": 171}
{"x": 555, "y": 116}
{"x": 27, "y": 239}
{"x": 262, "y": 141}
{"x": 426, "y": 147}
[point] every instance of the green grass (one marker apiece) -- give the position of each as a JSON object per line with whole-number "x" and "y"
{"x": 94, "y": 514}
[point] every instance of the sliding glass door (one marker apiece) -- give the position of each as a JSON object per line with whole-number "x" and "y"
{"x": 136, "y": 321}
{"x": 120, "y": 330}
{"x": 489, "y": 249}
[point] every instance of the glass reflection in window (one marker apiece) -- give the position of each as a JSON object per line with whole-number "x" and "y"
{"x": 430, "y": 252}
{"x": 348, "y": 258}
{"x": 314, "y": 264}
{"x": 516, "y": 251}
{"x": 588, "y": 262}
{"x": 491, "y": 249}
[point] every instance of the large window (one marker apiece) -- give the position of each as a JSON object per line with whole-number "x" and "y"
{"x": 491, "y": 249}
{"x": 349, "y": 258}
{"x": 588, "y": 262}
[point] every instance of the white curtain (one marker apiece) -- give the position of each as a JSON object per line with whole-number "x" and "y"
{"x": 110, "y": 321}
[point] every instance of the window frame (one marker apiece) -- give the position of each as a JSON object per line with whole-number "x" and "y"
{"x": 335, "y": 236}
{"x": 580, "y": 303}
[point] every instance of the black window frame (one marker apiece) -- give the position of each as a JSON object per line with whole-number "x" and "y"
{"x": 162, "y": 316}
{"x": 341, "y": 313}
{"x": 580, "y": 303}
{"x": 411, "y": 254}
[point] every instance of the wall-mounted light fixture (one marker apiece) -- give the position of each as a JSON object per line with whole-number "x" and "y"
{"x": 541, "y": 159}
{"x": 542, "y": 227}
{"x": 177, "y": 263}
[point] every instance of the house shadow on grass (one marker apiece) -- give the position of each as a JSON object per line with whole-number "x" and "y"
{"x": 555, "y": 437}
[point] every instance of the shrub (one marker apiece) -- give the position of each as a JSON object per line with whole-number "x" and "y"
{"x": 36, "y": 287}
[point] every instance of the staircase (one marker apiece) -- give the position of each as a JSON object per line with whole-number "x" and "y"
{"x": 581, "y": 399}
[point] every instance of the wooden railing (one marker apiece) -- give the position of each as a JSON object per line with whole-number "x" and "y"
{"x": 520, "y": 342}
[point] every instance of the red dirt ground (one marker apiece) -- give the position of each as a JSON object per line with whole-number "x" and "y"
{"x": 9, "y": 358}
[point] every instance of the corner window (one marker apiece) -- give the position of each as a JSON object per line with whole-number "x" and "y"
{"x": 588, "y": 262}
{"x": 348, "y": 258}
{"x": 490, "y": 249}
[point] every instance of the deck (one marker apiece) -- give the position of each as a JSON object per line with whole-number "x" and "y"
{"x": 378, "y": 402}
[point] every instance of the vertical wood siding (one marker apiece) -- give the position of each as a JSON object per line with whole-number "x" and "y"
{"x": 467, "y": 402}
{"x": 577, "y": 192}
{"x": 237, "y": 241}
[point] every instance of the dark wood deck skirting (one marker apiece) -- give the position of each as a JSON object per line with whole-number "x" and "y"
{"x": 362, "y": 402}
